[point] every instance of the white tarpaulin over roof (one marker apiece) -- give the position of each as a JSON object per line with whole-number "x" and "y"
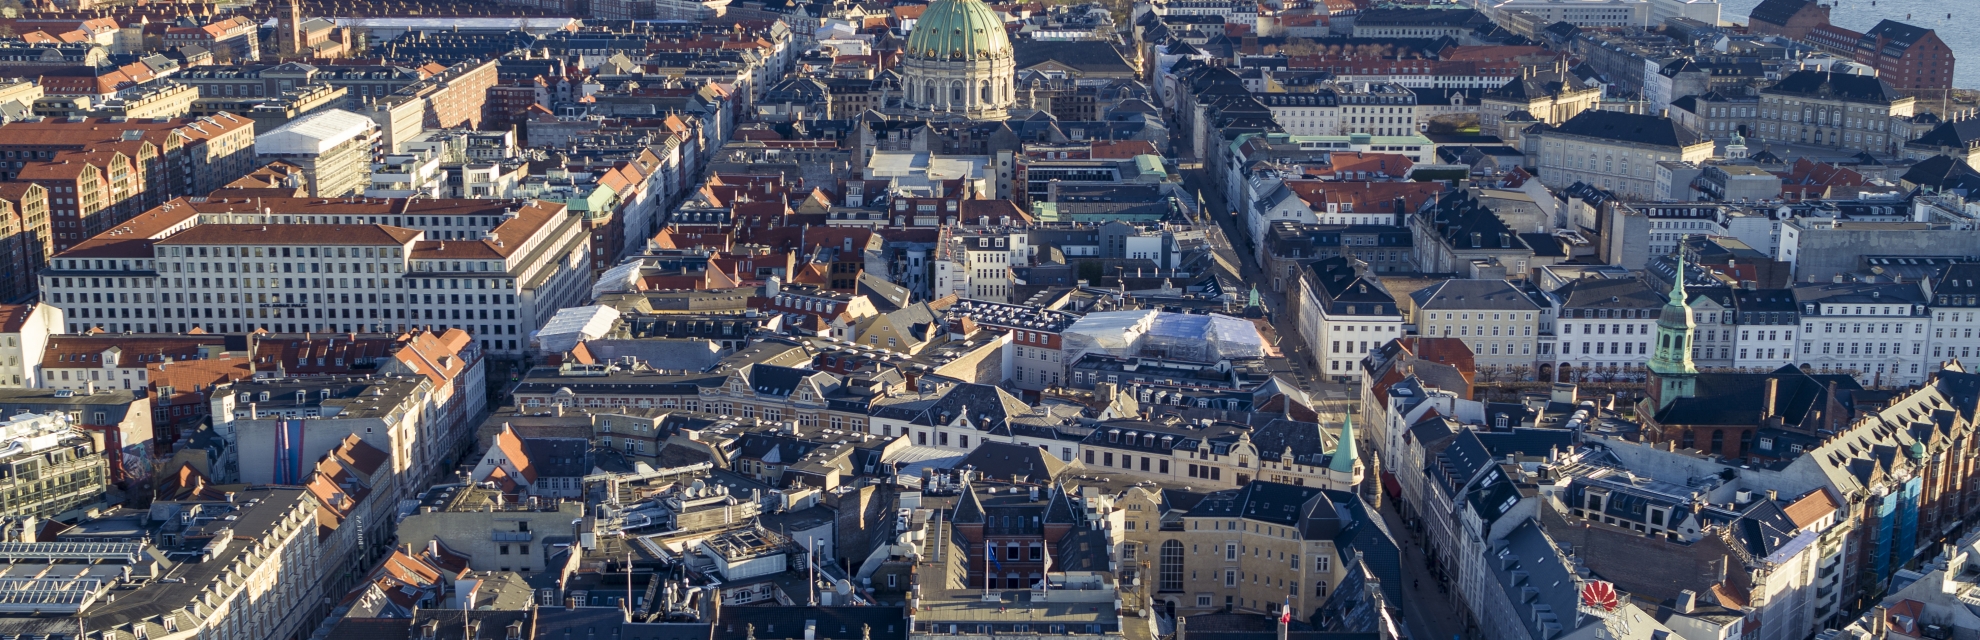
{"x": 1114, "y": 333}
{"x": 577, "y": 324}
{"x": 1202, "y": 338}
{"x": 313, "y": 133}
{"x": 1160, "y": 334}
{"x": 619, "y": 279}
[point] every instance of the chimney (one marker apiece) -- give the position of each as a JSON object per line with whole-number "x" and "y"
{"x": 1773, "y": 394}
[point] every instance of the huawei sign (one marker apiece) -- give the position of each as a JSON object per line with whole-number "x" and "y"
{"x": 1599, "y": 595}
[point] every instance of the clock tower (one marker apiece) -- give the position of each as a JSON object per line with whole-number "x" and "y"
{"x": 1672, "y": 374}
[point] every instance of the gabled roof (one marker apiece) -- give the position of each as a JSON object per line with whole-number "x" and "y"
{"x": 1263, "y": 501}
{"x": 1084, "y": 56}
{"x": 1003, "y": 461}
{"x": 1778, "y": 12}
{"x": 1631, "y": 128}
{"x": 1812, "y": 508}
{"x": 1894, "y": 33}
{"x": 1843, "y": 86}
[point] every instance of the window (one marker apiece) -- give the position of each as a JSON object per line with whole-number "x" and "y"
{"x": 1171, "y": 568}
{"x": 1230, "y": 551}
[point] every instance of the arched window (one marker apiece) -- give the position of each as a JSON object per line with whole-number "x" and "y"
{"x": 928, "y": 93}
{"x": 956, "y": 92}
{"x": 1172, "y": 566}
{"x": 985, "y": 92}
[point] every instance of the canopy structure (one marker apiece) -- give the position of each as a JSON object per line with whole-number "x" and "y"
{"x": 1190, "y": 337}
{"x": 1202, "y": 338}
{"x": 574, "y": 325}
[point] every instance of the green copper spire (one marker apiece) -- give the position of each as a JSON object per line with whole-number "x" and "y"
{"x": 1343, "y": 460}
{"x": 1677, "y": 283}
{"x": 1254, "y": 301}
{"x": 1674, "y": 374}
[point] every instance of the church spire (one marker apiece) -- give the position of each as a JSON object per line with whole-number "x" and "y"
{"x": 1344, "y": 454}
{"x": 1674, "y": 375}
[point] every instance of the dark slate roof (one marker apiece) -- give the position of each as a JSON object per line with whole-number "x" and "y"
{"x": 1473, "y": 294}
{"x": 1350, "y": 607}
{"x": 1309, "y": 444}
{"x": 1631, "y": 127}
{"x": 833, "y": 623}
{"x": 1540, "y": 85}
{"x": 773, "y": 448}
{"x": 1495, "y": 495}
{"x": 1562, "y": 29}
{"x": 1464, "y": 223}
{"x": 1777, "y": 11}
{"x": 885, "y": 296}
{"x": 1002, "y": 460}
{"x": 1944, "y": 173}
{"x": 1526, "y": 441}
{"x": 770, "y": 379}
{"x": 1272, "y": 502}
{"x": 1081, "y": 549}
{"x": 1604, "y": 293}
{"x": 1739, "y": 398}
{"x": 1957, "y": 134}
{"x": 1844, "y": 86}
{"x": 1458, "y": 462}
{"x": 450, "y": 626}
{"x": 559, "y": 457}
{"x": 1422, "y": 17}
{"x": 1958, "y": 278}
{"x": 1366, "y": 532}
{"x": 980, "y": 399}
{"x": 371, "y": 629}
{"x": 1342, "y": 284}
{"x": 1896, "y": 34}
{"x": 1087, "y": 56}
{"x": 1763, "y": 529}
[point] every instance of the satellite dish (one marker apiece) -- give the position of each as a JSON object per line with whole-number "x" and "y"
{"x": 843, "y": 587}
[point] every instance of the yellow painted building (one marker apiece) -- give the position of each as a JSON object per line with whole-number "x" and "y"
{"x": 1248, "y": 549}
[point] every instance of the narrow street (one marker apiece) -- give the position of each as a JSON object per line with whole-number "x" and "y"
{"x": 1289, "y": 339}
{"x": 1428, "y": 609}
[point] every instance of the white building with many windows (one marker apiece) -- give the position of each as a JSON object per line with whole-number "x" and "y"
{"x": 1766, "y": 323}
{"x": 1496, "y": 319}
{"x": 1606, "y": 328}
{"x": 1875, "y": 331}
{"x": 1343, "y": 315}
{"x": 497, "y": 269}
{"x": 1615, "y": 150}
{"x": 1955, "y": 309}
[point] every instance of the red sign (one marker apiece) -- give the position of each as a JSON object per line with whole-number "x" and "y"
{"x": 1599, "y": 595}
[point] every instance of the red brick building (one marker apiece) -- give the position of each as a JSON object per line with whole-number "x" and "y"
{"x": 1913, "y": 59}
{"x": 1791, "y": 18}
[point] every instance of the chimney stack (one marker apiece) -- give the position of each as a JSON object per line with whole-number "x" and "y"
{"x": 1773, "y": 394}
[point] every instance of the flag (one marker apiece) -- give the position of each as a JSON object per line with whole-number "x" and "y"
{"x": 1285, "y": 611}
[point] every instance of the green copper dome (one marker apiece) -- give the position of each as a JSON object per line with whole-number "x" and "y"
{"x": 958, "y": 30}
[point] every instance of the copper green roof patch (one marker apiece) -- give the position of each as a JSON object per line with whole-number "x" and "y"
{"x": 959, "y": 30}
